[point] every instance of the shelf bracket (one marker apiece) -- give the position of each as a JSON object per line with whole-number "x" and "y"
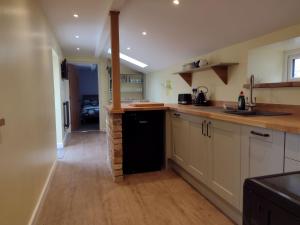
{"x": 222, "y": 72}
{"x": 187, "y": 77}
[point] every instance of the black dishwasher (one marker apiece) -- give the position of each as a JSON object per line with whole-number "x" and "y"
{"x": 272, "y": 200}
{"x": 143, "y": 141}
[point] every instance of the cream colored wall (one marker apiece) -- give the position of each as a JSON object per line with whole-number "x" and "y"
{"x": 27, "y": 141}
{"x": 155, "y": 82}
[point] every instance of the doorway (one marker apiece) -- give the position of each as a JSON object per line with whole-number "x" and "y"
{"x": 84, "y": 97}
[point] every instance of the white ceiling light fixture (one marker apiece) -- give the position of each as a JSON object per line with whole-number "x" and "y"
{"x": 76, "y": 15}
{"x": 128, "y": 48}
{"x": 131, "y": 60}
{"x": 144, "y": 33}
{"x": 176, "y": 2}
{"x": 77, "y": 36}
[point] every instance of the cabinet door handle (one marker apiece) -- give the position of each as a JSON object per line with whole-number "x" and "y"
{"x": 2, "y": 122}
{"x": 208, "y": 129}
{"x": 260, "y": 134}
{"x": 203, "y": 131}
{"x": 143, "y": 122}
{"x": 176, "y": 114}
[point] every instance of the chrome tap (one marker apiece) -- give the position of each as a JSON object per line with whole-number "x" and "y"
{"x": 252, "y": 102}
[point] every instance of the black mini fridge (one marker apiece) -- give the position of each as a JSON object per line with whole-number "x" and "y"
{"x": 272, "y": 200}
{"x": 143, "y": 141}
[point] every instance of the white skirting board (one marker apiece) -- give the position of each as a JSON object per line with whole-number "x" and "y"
{"x": 42, "y": 196}
{"x": 61, "y": 145}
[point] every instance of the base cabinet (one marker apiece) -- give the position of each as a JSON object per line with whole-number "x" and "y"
{"x": 291, "y": 165}
{"x": 210, "y": 151}
{"x": 221, "y": 155}
{"x": 180, "y": 130}
{"x": 292, "y": 153}
{"x": 225, "y": 160}
{"x": 263, "y": 151}
{"x": 198, "y": 160}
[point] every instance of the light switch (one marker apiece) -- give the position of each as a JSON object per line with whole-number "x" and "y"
{"x": 2, "y": 122}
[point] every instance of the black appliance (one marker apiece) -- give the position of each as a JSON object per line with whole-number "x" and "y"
{"x": 184, "y": 99}
{"x": 64, "y": 70}
{"x": 201, "y": 99}
{"x": 143, "y": 141}
{"x": 272, "y": 200}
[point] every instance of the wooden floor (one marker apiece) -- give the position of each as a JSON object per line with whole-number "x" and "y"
{"x": 82, "y": 193}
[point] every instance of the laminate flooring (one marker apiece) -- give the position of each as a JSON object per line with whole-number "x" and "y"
{"x": 83, "y": 193}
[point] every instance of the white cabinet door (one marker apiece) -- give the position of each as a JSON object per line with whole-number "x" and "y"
{"x": 198, "y": 154}
{"x": 225, "y": 160}
{"x": 291, "y": 165}
{"x": 292, "y": 148}
{"x": 263, "y": 151}
{"x": 180, "y": 130}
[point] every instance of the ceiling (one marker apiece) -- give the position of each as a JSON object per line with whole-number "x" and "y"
{"x": 174, "y": 33}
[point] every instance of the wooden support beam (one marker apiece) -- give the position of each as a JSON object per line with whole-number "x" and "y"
{"x": 115, "y": 61}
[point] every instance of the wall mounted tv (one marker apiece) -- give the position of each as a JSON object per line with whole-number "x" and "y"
{"x": 64, "y": 70}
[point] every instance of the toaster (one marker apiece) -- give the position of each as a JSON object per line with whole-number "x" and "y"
{"x": 185, "y": 99}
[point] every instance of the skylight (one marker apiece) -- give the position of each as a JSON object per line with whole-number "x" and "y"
{"x": 131, "y": 60}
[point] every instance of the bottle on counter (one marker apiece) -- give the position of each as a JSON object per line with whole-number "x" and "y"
{"x": 241, "y": 101}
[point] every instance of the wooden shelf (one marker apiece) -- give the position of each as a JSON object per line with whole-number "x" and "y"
{"x": 274, "y": 85}
{"x": 221, "y": 69}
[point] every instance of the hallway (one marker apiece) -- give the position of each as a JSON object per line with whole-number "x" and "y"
{"x": 82, "y": 193}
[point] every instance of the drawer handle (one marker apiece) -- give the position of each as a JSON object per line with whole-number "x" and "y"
{"x": 143, "y": 122}
{"x": 208, "y": 129}
{"x": 176, "y": 114}
{"x": 203, "y": 131}
{"x": 260, "y": 134}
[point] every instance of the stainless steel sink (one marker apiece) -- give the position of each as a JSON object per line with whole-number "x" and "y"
{"x": 256, "y": 113}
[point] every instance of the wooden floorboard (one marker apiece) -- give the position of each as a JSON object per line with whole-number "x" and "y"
{"x": 82, "y": 193}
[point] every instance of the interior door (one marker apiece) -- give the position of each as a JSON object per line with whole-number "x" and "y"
{"x": 74, "y": 97}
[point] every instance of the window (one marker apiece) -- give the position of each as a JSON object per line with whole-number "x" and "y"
{"x": 296, "y": 68}
{"x": 293, "y": 66}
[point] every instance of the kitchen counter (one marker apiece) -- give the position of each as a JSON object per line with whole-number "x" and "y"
{"x": 126, "y": 107}
{"x": 289, "y": 123}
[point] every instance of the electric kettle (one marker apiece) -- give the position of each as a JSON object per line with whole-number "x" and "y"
{"x": 201, "y": 99}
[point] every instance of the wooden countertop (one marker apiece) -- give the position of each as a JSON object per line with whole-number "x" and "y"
{"x": 126, "y": 107}
{"x": 290, "y": 123}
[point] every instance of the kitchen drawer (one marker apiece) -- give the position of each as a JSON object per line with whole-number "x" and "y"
{"x": 291, "y": 165}
{"x": 292, "y": 149}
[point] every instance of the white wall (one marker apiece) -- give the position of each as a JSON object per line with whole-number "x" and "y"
{"x": 238, "y": 75}
{"x": 58, "y": 100}
{"x": 27, "y": 141}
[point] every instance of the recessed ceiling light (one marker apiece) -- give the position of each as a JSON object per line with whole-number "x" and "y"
{"x": 144, "y": 33}
{"x": 128, "y": 48}
{"x": 77, "y": 36}
{"x": 76, "y": 15}
{"x": 131, "y": 60}
{"x": 176, "y": 2}
{"x": 78, "y": 49}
